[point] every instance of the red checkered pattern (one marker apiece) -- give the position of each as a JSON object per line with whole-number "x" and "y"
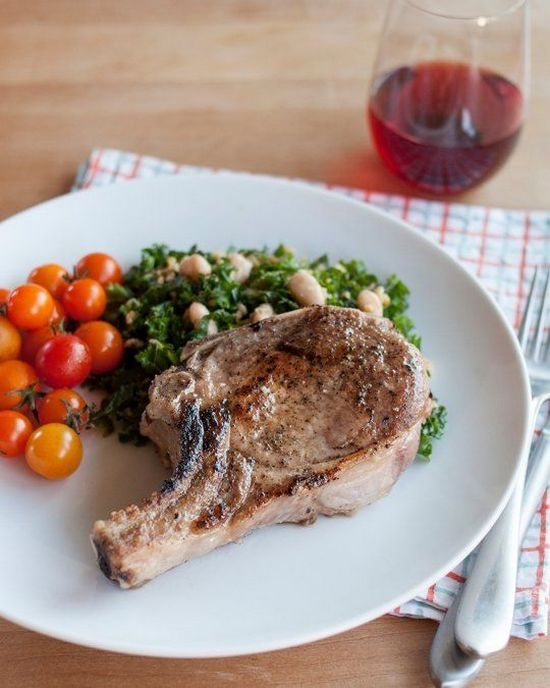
{"x": 501, "y": 248}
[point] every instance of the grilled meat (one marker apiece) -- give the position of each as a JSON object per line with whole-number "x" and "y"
{"x": 316, "y": 411}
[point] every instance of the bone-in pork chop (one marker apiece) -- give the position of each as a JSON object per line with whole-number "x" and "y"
{"x": 316, "y": 411}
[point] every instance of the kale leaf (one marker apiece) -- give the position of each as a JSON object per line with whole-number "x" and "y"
{"x": 150, "y": 307}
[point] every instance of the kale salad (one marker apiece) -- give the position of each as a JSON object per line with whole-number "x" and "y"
{"x": 171, "y": 297}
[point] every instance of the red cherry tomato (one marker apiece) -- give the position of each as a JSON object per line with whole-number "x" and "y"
{"x": 64, "y": 361}
{"x": 101, "y": 267}
{"x": 30, "y": 306}
{"x": 54, "y": 451}
{"x": 15, "y": 430}
{"x": 10, "y": 340}
{"x": 4, "y": 293}
{"x": 53, "y": 277}
{"x": 15, "y": 375}
{"x": 84, "y": 300}
{"x": 105, "y": 342}
{"x": 33, "y": 340}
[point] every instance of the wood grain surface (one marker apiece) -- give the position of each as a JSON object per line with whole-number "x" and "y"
{"x": 274, "y": 86}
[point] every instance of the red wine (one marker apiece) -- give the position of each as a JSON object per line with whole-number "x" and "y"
{"x": 444, "y": 126}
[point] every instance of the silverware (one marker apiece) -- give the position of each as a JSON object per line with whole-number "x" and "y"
{"x": 479, "y": 621}
{"x": 450, "y": 667}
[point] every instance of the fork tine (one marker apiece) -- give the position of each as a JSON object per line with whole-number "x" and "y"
{"x": 528, "y": 311}
{"x": 541, "y": 320}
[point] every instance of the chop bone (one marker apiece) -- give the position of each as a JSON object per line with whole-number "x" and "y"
{"x": 208, "y": 483}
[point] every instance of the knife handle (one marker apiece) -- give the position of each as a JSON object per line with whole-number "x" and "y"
{"x": 486, "y": 608}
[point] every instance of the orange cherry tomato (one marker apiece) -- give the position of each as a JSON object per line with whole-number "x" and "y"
{"x": 53, "y": 277}
{"x": 30, "y": 306}
{"x": 33, "y": 340}
{"x": 58, "y": 314}
{"x": 10, "y": 340}
{"x": 63, "y": 406}
{"x": 4, "y": 293}
{"x": 105, "y": 342}
{"x": 84, "y": 300}
{"x": 15, "y": 430}
{"x": 15, "y": 375}
{"x": 54, "y": 451}
{"x": 101, "y": 267}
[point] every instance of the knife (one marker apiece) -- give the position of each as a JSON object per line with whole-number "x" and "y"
{"x": 449, "y": 665}
{"x": 486, "y": 608}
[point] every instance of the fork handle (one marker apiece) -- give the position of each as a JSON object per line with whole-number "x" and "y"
{"x": 536, "y": 480}
{"x": 486, "y": 609}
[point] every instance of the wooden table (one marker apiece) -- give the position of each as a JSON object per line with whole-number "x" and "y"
{"x": 273, "y": 86}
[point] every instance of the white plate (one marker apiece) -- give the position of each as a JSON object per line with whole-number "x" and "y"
{"x": 284, "y": 585}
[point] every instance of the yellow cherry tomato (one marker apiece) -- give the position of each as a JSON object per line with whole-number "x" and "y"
{"x": 54, "y": 451}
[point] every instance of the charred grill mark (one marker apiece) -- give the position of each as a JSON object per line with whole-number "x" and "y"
{"x": 308, "y": 482}
{"x": 191, "y": 439}
{"x": 105, "y": 565}
{"x": 215, "y": 421}
{"x": 103, "y": 560}
{"x": 293, "y": 350}
{"x": 201, "y": 432}
{"x": 209, "y": 518}
{"x": 233, "y": 492}
{"x": 190, "y": 446}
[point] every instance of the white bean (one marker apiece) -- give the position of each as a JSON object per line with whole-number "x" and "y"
{"x": 194, "y": 266}
{"x": 196, "y": 312}
{"x": 381, "y": 292}
{"x": 211, "y": 328}
{"x": 242, "y": 267}
{"x": 263, "y": 311}
{"x": 241, "y": 311}
{"x": 306, "y": 290}
{"x": 369, "y": 302}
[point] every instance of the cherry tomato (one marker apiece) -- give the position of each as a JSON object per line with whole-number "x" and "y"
{"x": 15, "y": 375}
{"x": 101, "y": 267}
{"x": 84, "y": 300}
{"x": 10, "y": 340}
{"x": 105, "y": 342}
{"x": 63, "y": 361}
{"x": 54, "y": 451}
{"x": 33, "y": 340}
{"x": 4, "y": 293}
{"x": 15, "y": 430}
{"x": 63, "y": 406}
{"x": 58, "y": 315}
{"x": 30, "y": 306}
{"x": 52, "y": 277}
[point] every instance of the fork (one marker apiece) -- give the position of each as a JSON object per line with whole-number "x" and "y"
{"x": 533, "y": 347}
{"x": 478, "y": 622}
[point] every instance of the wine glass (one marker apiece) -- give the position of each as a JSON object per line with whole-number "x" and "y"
{"x": 448, "y": 96}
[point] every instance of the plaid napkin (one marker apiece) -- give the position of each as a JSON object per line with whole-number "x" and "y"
{"x": 501, "y": 247}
